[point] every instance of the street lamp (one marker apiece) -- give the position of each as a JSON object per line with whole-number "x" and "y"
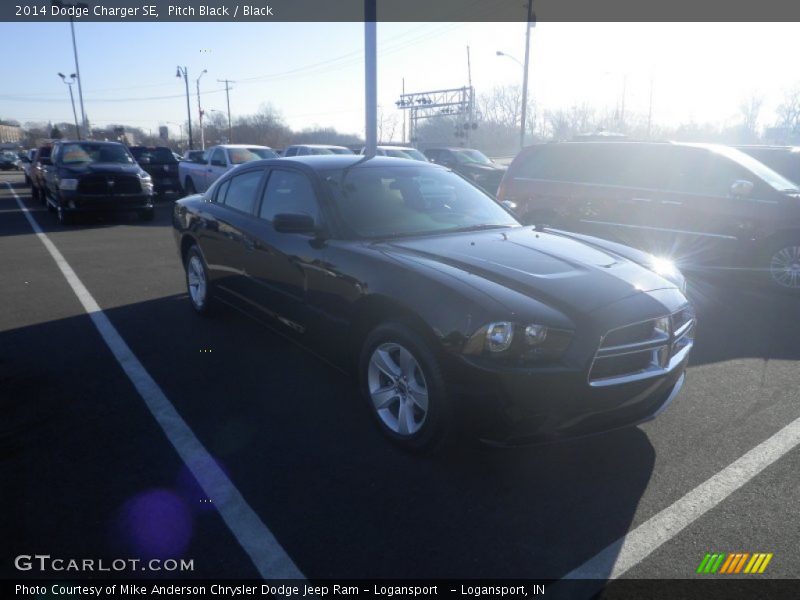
{"x": 200, "y": 111}
{"x": 77, "y": 5}
{"x": 501, "y": 53}
{"x": 185, "y": 74}
{"x": 69, "y": 83}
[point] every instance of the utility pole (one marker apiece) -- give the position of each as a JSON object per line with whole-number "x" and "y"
{"x": 370, "y": 79}
{"x": 200, "y": 111}
{"x": 529, "y": 23}
{"x": 228, "y": 100}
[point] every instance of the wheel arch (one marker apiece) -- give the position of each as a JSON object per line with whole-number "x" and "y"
{"x": 374, "y": 309}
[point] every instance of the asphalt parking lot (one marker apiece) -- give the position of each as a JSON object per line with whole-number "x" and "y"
{"x": 88, "y": 471}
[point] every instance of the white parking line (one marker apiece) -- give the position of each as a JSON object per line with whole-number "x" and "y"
{"x": 628, "y": 551}
{"x": 255, "y": 538}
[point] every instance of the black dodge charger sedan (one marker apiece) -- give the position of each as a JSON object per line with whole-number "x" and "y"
{"x": 452, "y": 315}
{"x": 87, "y": 176}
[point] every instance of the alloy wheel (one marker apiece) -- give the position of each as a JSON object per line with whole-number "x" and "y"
{"x": 196, "y": 280}
{"x": 785, "y": 267}
{"x": 398, "y": 389}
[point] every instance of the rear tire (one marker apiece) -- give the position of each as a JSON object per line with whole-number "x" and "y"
{"x": 146, "y": 215}
{"x": 401, "y": 380}
{"x": 781, "y": 261}
{"x": 198, "y": 283}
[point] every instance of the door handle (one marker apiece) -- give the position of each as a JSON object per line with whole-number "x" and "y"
{"x": 672, "y": 202}
{"x": 642, "y": 200}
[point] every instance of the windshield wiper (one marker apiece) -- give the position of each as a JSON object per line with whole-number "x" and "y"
{"x": 483, "y": 227}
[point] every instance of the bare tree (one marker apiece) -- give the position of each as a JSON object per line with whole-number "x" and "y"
{"x": 750, "y": 110}
{"x": 789, "y": 114}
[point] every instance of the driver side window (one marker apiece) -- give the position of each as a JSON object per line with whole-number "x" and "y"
{"x": 288, "y": 192}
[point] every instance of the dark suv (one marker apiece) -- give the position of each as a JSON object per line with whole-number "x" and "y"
{"x": 161, "y": 164}
{"x": 472, "y": 164}
{"x": 88, "y": 176}
{"x": 705, "y": 206}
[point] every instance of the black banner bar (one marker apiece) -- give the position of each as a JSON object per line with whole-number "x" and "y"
{"x": 154, "y": 11}
{"x": 718, "y": 588}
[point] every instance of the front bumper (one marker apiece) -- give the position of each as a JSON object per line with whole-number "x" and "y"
{"x": 74, "y": 202}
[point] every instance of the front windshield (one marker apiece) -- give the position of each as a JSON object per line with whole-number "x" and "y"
{"x": 378, "y": 202}
{"x": 239, "y": 156}
{"x": 87, "y": 152}
{"x": 775, "y": 180}
{"x": 467, "y": 157}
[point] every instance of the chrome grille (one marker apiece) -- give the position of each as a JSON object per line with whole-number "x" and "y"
{"x": 109, "y": 184}
{"x": 644, "y": 349}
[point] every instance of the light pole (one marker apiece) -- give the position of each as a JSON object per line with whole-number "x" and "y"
{"x": 81, "y": 5}
{"x": 185, "y": 74}
{"x": 200, "y": 111}
{"x": 72, "y": 100}
{"x": 524, "y": 99}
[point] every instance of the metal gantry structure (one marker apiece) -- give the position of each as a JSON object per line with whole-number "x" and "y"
{"x": 457, "y": 103}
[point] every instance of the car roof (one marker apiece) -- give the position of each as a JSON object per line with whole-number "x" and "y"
{"x": 317, "y": 146}
{"x": 242, "y": 146}
{"x": 99, "y": 142}
{"x": 448, "y": 148}
{"x": 343, "y": 161}
{"x": 396, "y": 147}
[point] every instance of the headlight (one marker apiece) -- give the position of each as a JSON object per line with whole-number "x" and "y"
{"x": 667, "y": 269}
{"x": 518, "y": 343}
{"x": 499, "y": 336}
{"x": 68, "y": 184}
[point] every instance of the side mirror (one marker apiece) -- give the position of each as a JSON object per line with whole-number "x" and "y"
{"x": 741, "y": 188}
{"x": 144, "y": 161}
{"x": 294, "y": 223}
{"x": 25, "y": 159}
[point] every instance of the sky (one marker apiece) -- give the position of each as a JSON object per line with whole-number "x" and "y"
{"x": 312, "y": 73}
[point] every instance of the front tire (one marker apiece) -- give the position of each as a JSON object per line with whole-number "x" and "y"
{"x": 198, "y": 283}
{"x": 189, "y": 187}
{"x": 147, "y": 214}
{"x": 64, "y": 217}
{"x": 401, "y": 380}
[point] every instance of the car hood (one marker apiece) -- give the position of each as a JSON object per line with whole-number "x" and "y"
{"x": 104, "y": 168}
{"x": 552, "y": 268}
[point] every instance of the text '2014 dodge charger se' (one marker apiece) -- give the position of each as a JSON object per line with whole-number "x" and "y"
{"x": 453, "y": 316}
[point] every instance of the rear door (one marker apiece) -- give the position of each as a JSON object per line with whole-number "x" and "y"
{"x": 223, "y": 235}
{"x": 280, "y": 265}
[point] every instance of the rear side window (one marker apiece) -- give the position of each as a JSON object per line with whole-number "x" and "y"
{"x": 241, "y": 191}
{"x": 288, "y": 192}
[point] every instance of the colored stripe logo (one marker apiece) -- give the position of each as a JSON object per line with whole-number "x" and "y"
{"x": 735, "y": 562}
